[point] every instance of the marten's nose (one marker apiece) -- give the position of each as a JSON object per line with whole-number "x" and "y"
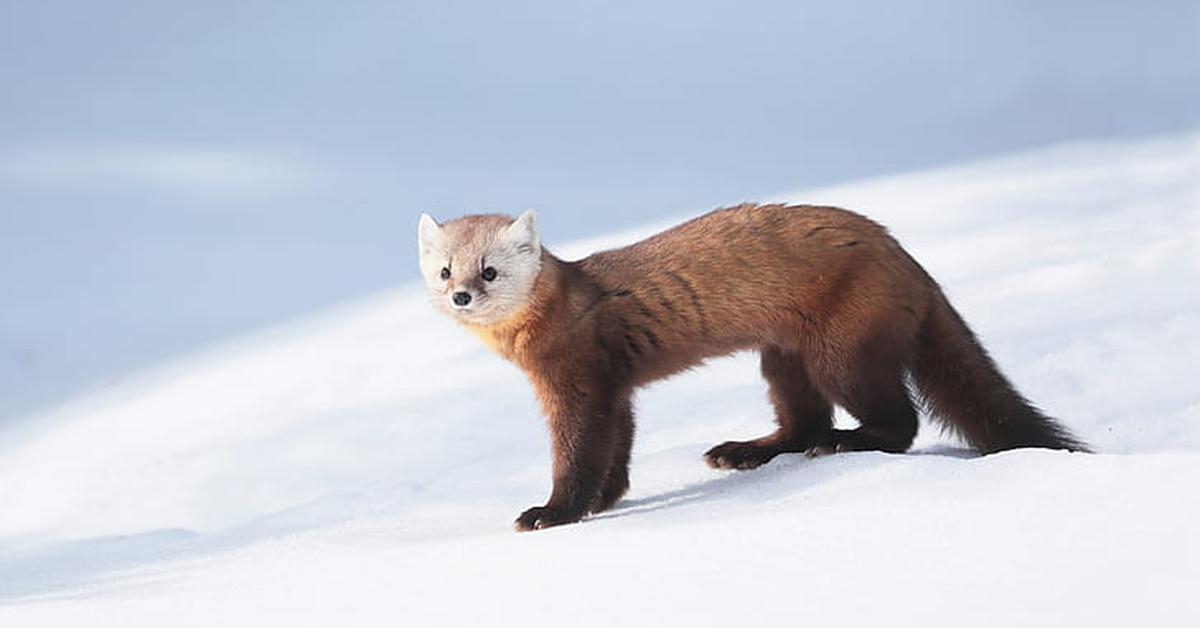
{"x": 461, "y": 298}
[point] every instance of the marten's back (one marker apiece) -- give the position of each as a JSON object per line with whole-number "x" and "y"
{"x": 754, "y": 274}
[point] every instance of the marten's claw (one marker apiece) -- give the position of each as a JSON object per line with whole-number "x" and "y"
{"x": 540, "y": 517}
{"x": 821, "y": 450}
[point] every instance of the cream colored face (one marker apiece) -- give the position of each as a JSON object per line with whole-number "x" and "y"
{"x": 480, "y": 269}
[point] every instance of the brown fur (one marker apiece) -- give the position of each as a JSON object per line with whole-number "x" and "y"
{"x": 838, "y": 310}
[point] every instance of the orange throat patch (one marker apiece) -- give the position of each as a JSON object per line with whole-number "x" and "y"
{"x": 510, "y": 337}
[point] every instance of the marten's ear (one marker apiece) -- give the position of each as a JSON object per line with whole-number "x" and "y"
{"x": 523, "y": 232}
{"x": 429, "y": 233}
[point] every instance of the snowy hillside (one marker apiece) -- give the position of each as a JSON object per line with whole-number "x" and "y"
{"x": 364, "y": 466}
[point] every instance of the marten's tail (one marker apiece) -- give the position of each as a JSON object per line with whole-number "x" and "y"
{"x": 962, "y": 387}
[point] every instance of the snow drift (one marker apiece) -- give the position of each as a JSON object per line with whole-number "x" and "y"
{"x": 365, "y": 464}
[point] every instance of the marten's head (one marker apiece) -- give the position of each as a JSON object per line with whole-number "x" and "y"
{"x": 480, "y": 269}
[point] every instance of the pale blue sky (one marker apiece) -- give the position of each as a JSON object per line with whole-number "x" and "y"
{"x": 173, "y": 173}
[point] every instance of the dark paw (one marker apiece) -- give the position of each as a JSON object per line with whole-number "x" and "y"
{"x": 540, "y": 517}
{"x": 739, "y": 455}
{"x": 823, "y": 450}
{"x": 860, "y": 439}
{"x": 615, "y": 488}
{"x": 612, "y": 493}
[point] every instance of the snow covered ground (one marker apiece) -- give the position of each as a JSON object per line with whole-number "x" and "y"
{"x": 364, "y": 465}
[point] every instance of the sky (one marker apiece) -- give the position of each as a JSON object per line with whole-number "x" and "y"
{"x": 174, "y": 174}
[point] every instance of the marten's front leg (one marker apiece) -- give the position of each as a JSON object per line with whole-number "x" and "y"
{"x": 617, "y": 482}
{"x": 583, "y": 430}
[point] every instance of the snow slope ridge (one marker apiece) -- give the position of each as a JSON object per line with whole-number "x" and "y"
{"x": 366, "y": 464}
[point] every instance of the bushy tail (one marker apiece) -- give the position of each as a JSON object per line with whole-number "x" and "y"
{"x": 963, "y": 387}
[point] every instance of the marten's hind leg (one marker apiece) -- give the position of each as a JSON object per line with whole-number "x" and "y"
{"x": 874, "y": 392}
{"x": 803, "y": 414}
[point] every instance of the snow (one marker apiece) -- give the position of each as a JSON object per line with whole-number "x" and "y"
{"x": 364, "y": 465}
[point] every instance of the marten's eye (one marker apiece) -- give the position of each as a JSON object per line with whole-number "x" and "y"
{"x": 489, "y": 274}
{"x": 445, "y": 274}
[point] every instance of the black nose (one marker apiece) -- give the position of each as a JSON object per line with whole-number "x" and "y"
{"x": 461, "y": 298}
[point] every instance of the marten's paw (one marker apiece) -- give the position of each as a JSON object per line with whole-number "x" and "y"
{"x": 540, "y": 517}
{"x": 823, "y": 450}
{"x": 614, "y": 489}
{"x": 740, "y": 455}
{"x": 860, "y": 439}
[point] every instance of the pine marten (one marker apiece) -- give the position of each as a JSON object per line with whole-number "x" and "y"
{"x": 838, "y": 310}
